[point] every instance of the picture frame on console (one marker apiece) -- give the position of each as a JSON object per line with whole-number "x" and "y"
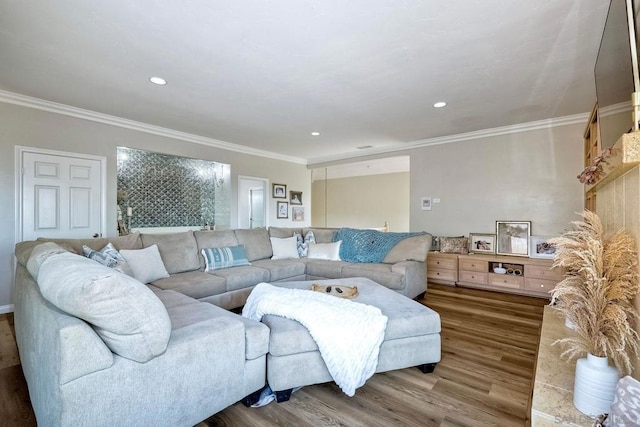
{"x": 512, "y": 238}
{"x": 480, "y": 243}
{"x": 279, "y": 191}
{"x": 282, "y": 210}
{"x": 541, "y": 248}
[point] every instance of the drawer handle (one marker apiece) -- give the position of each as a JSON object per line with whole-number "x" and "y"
{"x": 438, "y": 262}
{"x": 437, "y": 274}
{"x": 473, "y": 277}
{"x": 542, "y": 286}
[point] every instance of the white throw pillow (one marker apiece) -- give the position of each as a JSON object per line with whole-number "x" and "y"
{"x": 329, "y": 251}
{"x": 284, "y": 248}
{"x": 146, "y": 264}
{"x": 128, "y": 316}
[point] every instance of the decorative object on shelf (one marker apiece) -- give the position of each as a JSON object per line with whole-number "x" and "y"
{"x": 295, "y": 197}
{"x": 279, "y": 191}
{"x": 435, "y": 243}
{"x": 513, "y": 237}
{"x": 482, "y": 243}
{"x": 596, "y": 295}
{"x": 282, "y": 210}
{"x": 541, "y": 247}
{"x": 297, "y": 214}
{"x": 454, "y": 245}
{"x": 499, "y": 269}
{"x": 425, "y": 203}
{"x": 594, "y": 171}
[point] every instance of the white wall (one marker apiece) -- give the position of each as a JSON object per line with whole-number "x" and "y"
{"x": 363, "y": 202}
{"x": 526, "y": 176}
{"x": 35, "y": 128}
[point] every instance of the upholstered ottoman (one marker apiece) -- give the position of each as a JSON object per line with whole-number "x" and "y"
{"x": 412, "y": 338}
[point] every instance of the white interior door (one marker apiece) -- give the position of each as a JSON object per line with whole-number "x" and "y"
{"x": 256, "y": 210}
{"x": 61, "y": 196}
{"x": 252, "y": 203}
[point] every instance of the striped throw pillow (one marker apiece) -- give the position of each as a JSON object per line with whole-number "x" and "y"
{"x": 218, "y": 258}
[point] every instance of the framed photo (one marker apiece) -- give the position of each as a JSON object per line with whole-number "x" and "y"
{"x": 435, "y": 243}
{"x": 513, "y": 237}
{"x": 297, "y": 214}
{"x": 283, "y": 210}
{"x": 425, "y": 204}
{"x": 541, "y": 248}
{"x": 482, "y": 243}
{"x": 279, "y": 191}
{"x": 295, "y": 197}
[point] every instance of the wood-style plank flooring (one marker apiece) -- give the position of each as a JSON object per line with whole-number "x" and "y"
{"x": 489, "y": 343}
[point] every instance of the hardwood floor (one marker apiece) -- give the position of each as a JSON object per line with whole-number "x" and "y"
{"x": 489, "y": 343}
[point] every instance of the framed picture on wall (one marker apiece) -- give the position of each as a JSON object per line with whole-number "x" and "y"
{"x": 513, "y": 237}
{"x": 283, "y": 210}
{"x": 297, "y": 213}
{"x": 541, "y": 248}
{"x": 482, "y": 243}
{"x": 295, "y": 197}
{"x": 279, "y": 191}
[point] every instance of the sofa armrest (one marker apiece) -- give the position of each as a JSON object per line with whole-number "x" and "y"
{"x": 415, "y": 277}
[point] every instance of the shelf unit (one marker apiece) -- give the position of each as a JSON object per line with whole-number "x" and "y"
{"x": 531, "y": 276}
{"x": 592, "y": 149}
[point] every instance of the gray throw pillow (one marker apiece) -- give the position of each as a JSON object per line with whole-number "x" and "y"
{"x": 128, "y": 316}
{"x": 146, "y": 264}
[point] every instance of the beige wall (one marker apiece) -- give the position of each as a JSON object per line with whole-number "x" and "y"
{"x": 35, "y": 128}
{"x": 363, "y": 202}
{"x": 525, "y": 176}
{"x": 618, "y": 206}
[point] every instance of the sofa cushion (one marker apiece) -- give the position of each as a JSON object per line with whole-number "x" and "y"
{"x": 324, "y": 268}
{"x": 127, "y": 315}
{"x": 256, "y": 242}
{"x": 39, "y": 254}
{"x": 284, "y": 248}
{"x": 146, "y": 264}
{"x": 322, "y": 235}
{"x": 179, "y": 251}
{"x": 242, "y": 277}
{"x": 196, "y": 284}
{"x": 282, "y": 232}
{"x": 281, "y": 269}
{"x": 130, "y": 241}
{"x": 219, "y": 258}
{"x": 171, "y": 298}
{"x": 328, "y": 251}
{"x": 410, "y": 249}
{"x": 379, "y": 273}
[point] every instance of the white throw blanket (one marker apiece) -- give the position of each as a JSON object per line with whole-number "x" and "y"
{"x": 348, "y": 334}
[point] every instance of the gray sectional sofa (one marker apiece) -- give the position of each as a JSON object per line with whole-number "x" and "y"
{"x": 213, "y": 357}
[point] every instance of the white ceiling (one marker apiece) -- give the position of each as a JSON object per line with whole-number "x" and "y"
{"x": 265, "y": 74}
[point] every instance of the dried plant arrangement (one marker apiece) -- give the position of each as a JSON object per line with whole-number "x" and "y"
{"x": 596, "y": 295}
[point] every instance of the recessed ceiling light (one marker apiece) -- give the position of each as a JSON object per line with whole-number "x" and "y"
{"x": 158, "y": 80}
{"x": 315, "y": 133}
{"x": 440, "y": 104}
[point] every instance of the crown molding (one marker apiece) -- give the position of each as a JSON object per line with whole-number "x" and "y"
{"x": 467, "y": 136}
{"x": 80, "y": 113}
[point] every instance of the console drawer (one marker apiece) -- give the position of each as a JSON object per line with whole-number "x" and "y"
{"x": 473, "y": 265}
{"x": 506, "y": 281}
{"x": 473, "y": 277}
{"x": 539, "y": 285}
{"x": 543, "y": 272}
{"x": 447, "y": 263}
{"x": 438, "y": 273}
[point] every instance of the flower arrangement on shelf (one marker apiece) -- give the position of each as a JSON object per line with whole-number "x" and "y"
{"x": 596, "y": 295}
{"x": 593, "y": 172}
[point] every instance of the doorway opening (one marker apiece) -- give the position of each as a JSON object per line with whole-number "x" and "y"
{"x": 252, "y": 202}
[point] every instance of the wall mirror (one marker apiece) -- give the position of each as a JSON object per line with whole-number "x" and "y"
{"x": 164, "y": 192}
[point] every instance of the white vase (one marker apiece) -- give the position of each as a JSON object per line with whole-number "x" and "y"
{"x": 595, "y": 385}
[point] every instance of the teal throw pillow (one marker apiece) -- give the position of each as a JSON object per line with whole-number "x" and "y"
{"x": 218, "y": 258}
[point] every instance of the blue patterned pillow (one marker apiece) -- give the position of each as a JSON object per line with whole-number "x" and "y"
{"x": 218, "y": 258}
{"x": 303, "y": 244}
{"x": 108, "y": 256}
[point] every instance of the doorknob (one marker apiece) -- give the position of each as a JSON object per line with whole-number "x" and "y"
{"x": 95, "y": 236}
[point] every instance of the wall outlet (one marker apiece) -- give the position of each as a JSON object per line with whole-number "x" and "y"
{"x": 436, "y": 200}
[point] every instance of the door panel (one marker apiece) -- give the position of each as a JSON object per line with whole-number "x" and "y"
{"x": 61, "y": 196}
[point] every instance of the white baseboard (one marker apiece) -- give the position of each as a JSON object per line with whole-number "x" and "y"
{"x": 6, "y": 309}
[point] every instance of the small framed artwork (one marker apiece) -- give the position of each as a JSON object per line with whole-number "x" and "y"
{"x": 295, "y": 197}
{"x": 435, "y": 243}
{"x": 482, "y": 243}
{"x": 297, "y": 213}
{"x": 279, "y": 191}
{"x": 283, "y": 210}
{"x": 541, "y": 248}
{"x": 425, "y": 204}
{"x": 512, "y": 237}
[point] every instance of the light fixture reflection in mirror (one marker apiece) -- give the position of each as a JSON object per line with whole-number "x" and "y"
{"x": 158, "y": 190}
